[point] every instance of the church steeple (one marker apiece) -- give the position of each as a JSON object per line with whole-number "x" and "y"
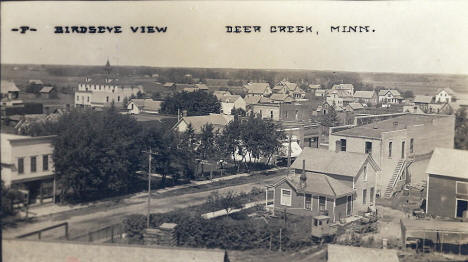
{"x": 108, "y": 68}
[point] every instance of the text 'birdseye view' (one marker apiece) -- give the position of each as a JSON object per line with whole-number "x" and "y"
{"x": 144, "y": 161}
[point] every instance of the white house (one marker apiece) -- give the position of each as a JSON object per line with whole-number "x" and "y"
{"x": 27, "y": 163}
{"x": 390, "y": 96}
{"x": 138, "y": 106}
{"x": 444, "y": 95}
{"x": 229, "y": 102}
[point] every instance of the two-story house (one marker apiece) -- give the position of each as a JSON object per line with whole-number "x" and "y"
{"x": 444, "y": 95}
{"x": 288, "y": 88}
{"x": 390, "y": 96}
{"x": 335, "y": 184}
{"x": 397, "y": 144}
{"x": 27, "y": 163}
{"x": 258, "y": 89}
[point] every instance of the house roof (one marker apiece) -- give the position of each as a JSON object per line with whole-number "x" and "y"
{"x": 355, "y": 106}
{"x": 343, "y": 87}
{"x": 319, "y": 184}
{"x": 46, "y": 89}
{"x": 201, "y": 86}
{"x": 364, "y": 94}
{"x": 217, "y": 120}
{"x": 423, "y": 99}
{"x": 8, "y": 86}
{"x": 168, "y": 84}
{"x": 281, "y": 97}
{"x": 392, "y": 91}
{"x": 221, "y": 93}
{"x": 257, "y": 88}
{"x": 228, "y": 98}
{"x": 314, "y": 86}
{"x": 374, "y": 130}
{"x": 449, "y": 162}
{"x": 330, "y": 162}
{"x": 447, "y": 89}
{"x": 251, "y": 99}
{"x": 36, "y": 82}
{"x": 339, "y": 253}
{"x": 265, "y": 100}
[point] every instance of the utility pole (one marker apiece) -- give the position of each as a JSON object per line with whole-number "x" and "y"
{"x": 150, "y": 154}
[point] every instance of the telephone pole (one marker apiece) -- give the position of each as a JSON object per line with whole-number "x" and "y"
{"x": 150, "y": 154}
{"x": 289, "y": 153}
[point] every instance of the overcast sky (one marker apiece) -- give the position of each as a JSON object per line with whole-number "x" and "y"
{"x": 409, "y": 37}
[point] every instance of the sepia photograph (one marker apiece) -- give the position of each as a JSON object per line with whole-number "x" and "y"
{"x": 232, "y": 131}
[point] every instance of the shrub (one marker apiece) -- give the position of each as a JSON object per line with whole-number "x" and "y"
{"x": 134, "y": 226}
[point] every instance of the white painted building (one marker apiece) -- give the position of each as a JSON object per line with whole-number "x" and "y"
{"x": 27, "y": 162}
{"x": 444, "y": 95}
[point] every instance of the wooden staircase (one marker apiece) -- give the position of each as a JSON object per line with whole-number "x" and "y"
{"x": 396, "y": 175}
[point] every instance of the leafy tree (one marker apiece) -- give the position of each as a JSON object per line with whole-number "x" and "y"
{"x": 408, "y": 94}
{"x": 196, "y": 103}
{"x": 461, "y": 129}
{"x": 238, "y": 112}
{"x": 9, "y": 196}
{"x": 95, "y": 154}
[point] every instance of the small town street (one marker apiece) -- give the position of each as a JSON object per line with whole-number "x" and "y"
{"x": 89, "y": 219}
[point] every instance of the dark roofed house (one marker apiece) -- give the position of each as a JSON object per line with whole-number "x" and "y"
{"x": 9, "y": 89}
{"x": 368, "y": 97}
{"x": 335, "y": 184}
{"x": 260, "y": 89}
{"x": 447, "y": 183}
{"x": 48, "y": 92}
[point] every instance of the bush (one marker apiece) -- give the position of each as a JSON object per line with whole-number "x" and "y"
{"x": 134, "y": 226}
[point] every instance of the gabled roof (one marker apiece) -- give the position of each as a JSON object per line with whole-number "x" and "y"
{"x": 8, "y": 86}
{"x": 251, "y": 99}
{"x": 281, "y": 98}
{"x": 257, "y": 88}
{"x": 329, "y": 162}
{"x": 168, "y": 84}
{"x": 364, "y": 94}
{"x": 392, "y": 91}
{"x": 265, "y": 100}
{"x": 314, "y": 86}
{"x": 46, "y": 89}
{"x": 220, "y": 93}
{"x": 355, "y": 106}
{"x": 449, "y": 162}
{"x": 217, "y": 120}
{"x": 423, "y": 99}
{"x": 228, "y": 98}
{"x": 319, "y": 184}
{"x": 447, "y": 89}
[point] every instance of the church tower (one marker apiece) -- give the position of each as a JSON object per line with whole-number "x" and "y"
{"x": 108, "y": 68}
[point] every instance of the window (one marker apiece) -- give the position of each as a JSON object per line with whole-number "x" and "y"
{"x": 88, "y": 98}
{"x": 343, "y": 144}
{"x": 308, "y": 202}
{"x": 371, "y": 197}
{"x": 286, "y": 114}
{"x": 462, "y": 188}
{"x": 77, "y": 98}
{"x": 20, "y": 165}
{"x": 364, "y": 172}
{"x": 45, "y": 162}
{"x": 285, "y": 197}
{"x": 118, "y": 99}
{"x": 390, "y": 149}
{"x": 33, "y": 164}
{"x": 411, "y": 145}
{"x": 107, "y": 99}
{"x": 322, "y": 203}
{"x": 297, "y": 114}
{"x": 368, "y": 149}
{"x": 271, "y": 114}
{"x": 403, "y": 149}
{"x": 364, "y": 195}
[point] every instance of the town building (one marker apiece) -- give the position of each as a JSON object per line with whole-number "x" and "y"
{"x": 27, "y": 164}
{"x": 288, "y": 88}
{"x": 169, "y": 85}
{"x": 339, "y": 99}
{"x": 220, "y": 93}
{"x": 267, "y": 110}
{"x": 48, "y": 92}
{"x": 105, "y": 90}
{"x": 389, "y": 96}
{"x": 219, "y": 121}
{"x": 9, "y": 94}
{"x": 423, "y": 102}
{"x": 259, "y": 89}
{"x": 444, "y": 95}
{"x": 281, "y": 98}
{"x": 354, "y": 107}
{"x": 149, "y": 106}
{"x": 447, "y": 183}
{"x": 348, "y": 88}
{"x": 397, "y": 143}
{"x": 334, "y": 184}
{"x": 367, "y": 97}
{"x": 321, "y": 92}
{"x": 230, "y": 102}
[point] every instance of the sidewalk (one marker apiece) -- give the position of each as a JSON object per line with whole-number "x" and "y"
{"x": 52, "y": 209}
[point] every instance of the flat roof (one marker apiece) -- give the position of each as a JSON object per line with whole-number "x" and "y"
{"x": 28, "y": 250}
{"x": 375, "y": 130}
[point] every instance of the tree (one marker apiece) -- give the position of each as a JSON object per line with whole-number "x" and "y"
{"x": 238, "y": 112}
{"x": 124, "y": 103}
{"x": 330, "y": 119}
{"x": 196, "y": 103}
{"x": 408, "y": 94}
{"x": 461, "y": 129}
{"x": 96, "y": 154}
